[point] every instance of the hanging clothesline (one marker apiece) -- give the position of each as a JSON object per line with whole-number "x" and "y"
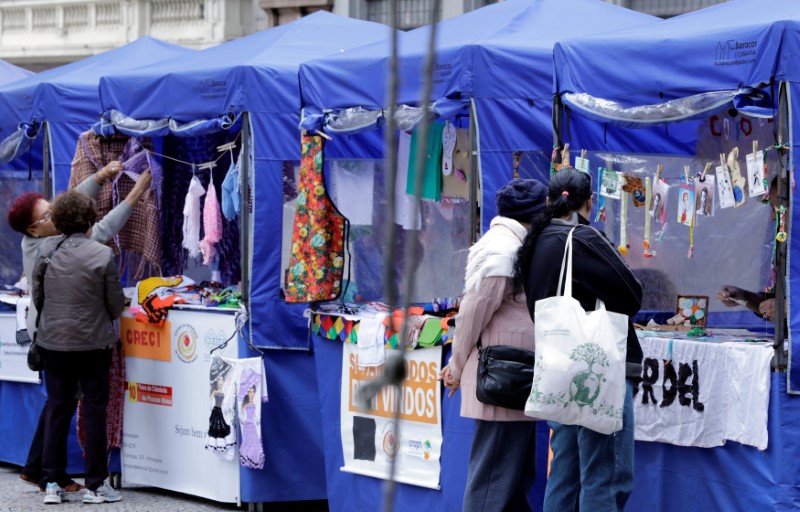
{"x": 200, "y": 166}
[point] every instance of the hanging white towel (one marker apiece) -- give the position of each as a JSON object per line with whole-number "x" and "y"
{"x": 191, "y": 218}
{"x": 371, "y": 349}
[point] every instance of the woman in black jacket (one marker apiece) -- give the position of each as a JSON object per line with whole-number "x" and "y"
{"x": 589, "y": 471}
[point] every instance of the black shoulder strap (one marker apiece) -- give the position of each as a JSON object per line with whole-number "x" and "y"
{"x": 39, "y": 307}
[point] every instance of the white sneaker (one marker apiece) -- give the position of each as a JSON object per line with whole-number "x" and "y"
{"x": 53, "y": 494}
{"x": 104, "y": 494}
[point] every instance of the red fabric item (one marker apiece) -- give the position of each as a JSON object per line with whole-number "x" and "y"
{"x": 155, "y": 309}
{"x": 116, "y": 402}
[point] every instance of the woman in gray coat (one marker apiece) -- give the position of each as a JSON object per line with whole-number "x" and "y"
{"x": 76, "y": 289}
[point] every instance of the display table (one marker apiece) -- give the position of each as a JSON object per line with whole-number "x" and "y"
{"x": 168, "y": 448}
{"x": 731, "y": 477}
{"x": 167, "y": 403}
{"x": 22, "y": 399}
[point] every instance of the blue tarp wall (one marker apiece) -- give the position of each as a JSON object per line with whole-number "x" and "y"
{"x": 258, "y": 75}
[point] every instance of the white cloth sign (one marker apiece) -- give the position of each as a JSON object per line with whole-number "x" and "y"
{"x": 166, "y": 419}
{"x": 371, "y": 439}
{"x": 14, "y": 349}
{"x": 701, "y": 393}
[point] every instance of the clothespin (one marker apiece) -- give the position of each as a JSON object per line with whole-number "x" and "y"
{"x": 565, "y": 156}
{"x": 226, "y": 147}
{"x": 755, "y": 148}
{"x": 193, "y": 173}
{"x": 659, "y": 170}
{"x": 722, "y": 160}
{"x": 705, "y": 170}
{"x": 686, "y": 173}
{"x": 324, "y": 135}
{"x": 207, "y": 165}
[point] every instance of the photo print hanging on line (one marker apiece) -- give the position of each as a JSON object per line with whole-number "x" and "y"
{"x": 635, "y": 187}
{"x": 686, "y": 202}
{"x": 611, "y": 185}
{"x": 724, "y": 186}
{"x": 658, "y": 203}
{"x": 755, "y": 174}
{"x": 704, "y": 193}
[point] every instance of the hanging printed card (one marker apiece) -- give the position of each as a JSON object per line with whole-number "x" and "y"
{"x": 704, "y": 192}
{"x": 755, "y": 174}
{"x": 658, "y": 205}
{"x": 611, "y": 186}
{"x": 582, "y": 164}
{"x": 724, "y": 187}
{"x": 686, "y": 202}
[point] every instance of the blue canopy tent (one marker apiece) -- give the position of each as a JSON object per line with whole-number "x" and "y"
{"x": 253, "y": 81}
{"x": 65, "y": 100}
{"x": 54, "y": 106}
{"x": 725, "y": 75}
{"x": 493, "y": 70}
{"x": 499, "y": 58}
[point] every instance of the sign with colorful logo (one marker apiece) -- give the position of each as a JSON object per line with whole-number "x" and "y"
{"x": 186, "y": 340}
{"x": 372, "y": 439}
{"x": 145, "y": 340}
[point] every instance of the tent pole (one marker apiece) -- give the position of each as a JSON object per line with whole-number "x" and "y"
{"x": 245, "y": 218}
{"x": 780, "y": 359}
{"x": 475, "y": 221}
{"x": 47, "y": 177}
{"x": 557, "y": 107}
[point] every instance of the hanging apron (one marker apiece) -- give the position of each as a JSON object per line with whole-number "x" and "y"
{"x": 316, "y": 265}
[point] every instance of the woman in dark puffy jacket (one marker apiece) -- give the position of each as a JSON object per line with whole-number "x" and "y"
{"x": 589, "y": 471}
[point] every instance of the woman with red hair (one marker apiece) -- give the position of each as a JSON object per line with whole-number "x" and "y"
{"x": 30, "y": 215}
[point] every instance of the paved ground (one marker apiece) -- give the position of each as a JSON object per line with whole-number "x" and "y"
{"x": 20, "y": 497}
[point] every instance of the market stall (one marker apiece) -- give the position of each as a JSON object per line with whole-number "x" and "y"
{"x": 249, "y": 87}
{"x": 491, "y": 94}
{"x": 42, "y": 117}
{"x": 688, "y": 142}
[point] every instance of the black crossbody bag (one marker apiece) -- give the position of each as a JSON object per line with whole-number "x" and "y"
{"x": 505, "y": 375}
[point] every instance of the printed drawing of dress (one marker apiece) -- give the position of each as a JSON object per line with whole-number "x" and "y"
{"x": 251, "y": 453}
{"x": 249, "y": 397}
{"x": 221, "y": 437}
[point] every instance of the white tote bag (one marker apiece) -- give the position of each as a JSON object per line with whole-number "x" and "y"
{"x": 579, "y": 374}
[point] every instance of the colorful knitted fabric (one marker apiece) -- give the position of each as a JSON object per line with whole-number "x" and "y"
{"x": 316, "y": 265}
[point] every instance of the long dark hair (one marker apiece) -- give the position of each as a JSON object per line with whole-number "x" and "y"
{"x": 578, "y": 188}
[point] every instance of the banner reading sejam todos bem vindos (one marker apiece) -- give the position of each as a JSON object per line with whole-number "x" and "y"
{"x": 371, "y": 439}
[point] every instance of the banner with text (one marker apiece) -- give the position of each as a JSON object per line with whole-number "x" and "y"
{"x": 371, "y": 439}
{"x": 702, "y": 393}
{"x": 167, "y": 405}
{"x": 14, "y": 347}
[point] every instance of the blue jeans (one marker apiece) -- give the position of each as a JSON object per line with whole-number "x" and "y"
{"x": 591, "y": 472}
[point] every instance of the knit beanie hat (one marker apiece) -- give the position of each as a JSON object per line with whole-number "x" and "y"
{"x": 520, "y": 199}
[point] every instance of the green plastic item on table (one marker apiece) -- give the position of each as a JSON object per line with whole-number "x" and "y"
{"x": 696, "y": 332}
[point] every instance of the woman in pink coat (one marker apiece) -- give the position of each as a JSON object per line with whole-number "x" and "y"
{"x": 502, "y": 457}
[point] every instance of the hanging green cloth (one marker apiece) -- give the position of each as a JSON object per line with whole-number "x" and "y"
{"x": 432, "y": 177}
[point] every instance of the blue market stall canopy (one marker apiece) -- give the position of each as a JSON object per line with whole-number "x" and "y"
{"x": 11, "y": 73}
{"x": 257, "y": 73}
{"x": 500, "y": 51}
{"x": 67, "y": 94}
{"x": 720, "y": 49}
